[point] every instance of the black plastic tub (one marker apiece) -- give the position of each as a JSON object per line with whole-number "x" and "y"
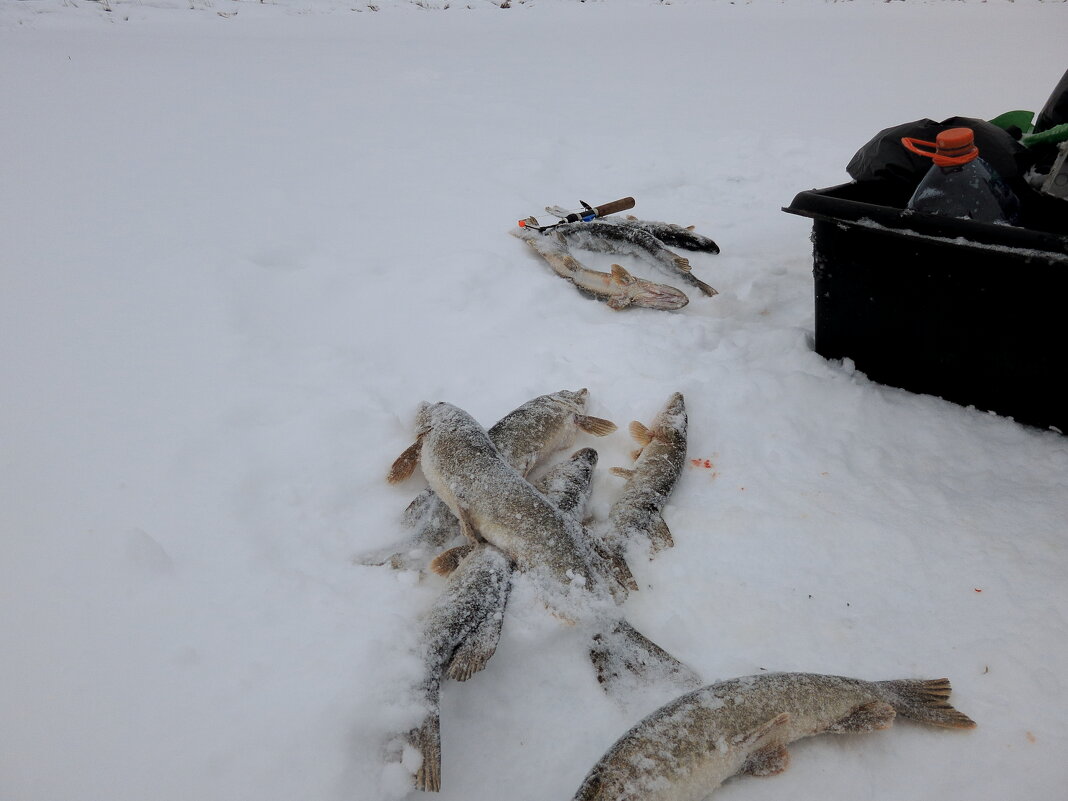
{"x": 973, "y": 313}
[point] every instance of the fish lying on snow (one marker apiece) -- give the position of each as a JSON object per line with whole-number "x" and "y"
{"x": 688, "y": 747}
{"x": 460, "y": 634}
{"x": 619, "y": 289}
{"x": 524, "y": 437}
{"x": 670, "y": 234}
{"x": 606, "y": 237}
{"x": 494, "y": 502}
{"x": 650, "y": 482}
{"x": 463, "y": 627}
{"x": 566, "y": 485}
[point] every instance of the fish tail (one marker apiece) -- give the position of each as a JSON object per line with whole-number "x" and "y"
{"x": 427, "y": 741}
{"x": 701, "y": 285}
{"x": 624, "y": 657}
{"x": 925, "y": 701}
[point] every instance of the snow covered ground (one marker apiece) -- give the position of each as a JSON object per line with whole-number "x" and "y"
{"x": 242, "y": 241}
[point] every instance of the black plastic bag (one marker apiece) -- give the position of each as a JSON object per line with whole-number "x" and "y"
{"x": 885, "y": 160}
{"x": 1055, "y": 112}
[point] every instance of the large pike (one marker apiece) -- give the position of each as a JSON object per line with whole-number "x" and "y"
{"x": 619, "y": 289}
{"x": 524, "y": 437}
{"x": 688, "y": 747}
{"x": 494, "y": 502}
{"x": 650, "y": 482}
{"x": 606, "y": 237}
{"x": 463, "y": 627}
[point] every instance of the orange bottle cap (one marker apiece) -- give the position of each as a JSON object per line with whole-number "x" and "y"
{"x": 951, "y": 148}
{"x": 957, "y": 144}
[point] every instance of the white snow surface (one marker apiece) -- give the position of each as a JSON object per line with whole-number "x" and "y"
{"x": 242, "y": 241}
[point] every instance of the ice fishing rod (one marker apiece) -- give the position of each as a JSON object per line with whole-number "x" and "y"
{"x": 586, "y": 214}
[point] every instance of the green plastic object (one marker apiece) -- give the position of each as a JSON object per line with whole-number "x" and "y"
{"x": 1024, "y": 120}
{"x": 1053, "y": 136}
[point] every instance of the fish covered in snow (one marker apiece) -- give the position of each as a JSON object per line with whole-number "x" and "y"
{"x": 524, "y": 437}
{"x": 618, "y": 289}
{"x": 606, "y": 237}
{"x": 688, "y": 747}
{"x": 494, "y": 502}
{"x": 463, "y": 627}
{"x": 670, "y": 234}
{"x": 460, "y": 634}
{"x": 639, "y": 509}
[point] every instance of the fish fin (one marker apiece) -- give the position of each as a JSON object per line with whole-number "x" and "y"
{"x": 630, "y": 217}
{"x": 404, "y": 555}
{"x": 468, "y": 660}
{"x": 618, "y": 302}
{"x": 872, "y": 716}
{"x": 625, "y": 659}
{"x": 640, "y": 432}
{"x": 621, "y": 276}
{"x": 477, "y": 648}
{"x": 636, "y": 454}
{"x": 767, "y": 761}
{"x": 659, "y": 536}
{"x": 690, "y": 227}
{"x": 427, "y": 741}
{"x": 705, "y": 288}
{"x": 767, "y": 733}
{"x": 614, "y": 562}
{"x": 925, "y": 701}
{"x": 419, "y": 506}
{"x": 622, "y": 472}
{"x": 467, "y": 525}
{"x": 597, "y": 426}
{"x": 405, "y": 464}
{"x": 447, "y": 561}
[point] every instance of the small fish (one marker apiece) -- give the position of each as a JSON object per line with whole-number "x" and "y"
{"x": 688, "y": 747}
{"x": 460, "y": 634}
{"x": 659, "y": 463}
{"x": 494, "y": 502}
{"x": 606, "y": 237}
{"x": 670, "y": 234}
{"x": 524, "y": 437}
{"x": 618, "y": 289}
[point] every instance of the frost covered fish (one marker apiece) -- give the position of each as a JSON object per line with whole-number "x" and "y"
{"x": 566, "y": 485}
{"x": 524, "y": 437}
{"x": 607, "y": 237}
{"x": 670, "y": 234}
{"x": 460, "y": 634}
{"x": 659, "y": 463}
{"x": 688, "y": 747}
{"x": 618, "y": 289}
{"x": 462, "y": 629}
{"x": 494, "y": 502}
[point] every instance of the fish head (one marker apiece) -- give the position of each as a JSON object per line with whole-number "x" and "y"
{"x": 586, "y": 455}
{"x": 670, "y": 424}
{"x": 575, "y": 400}
{"x": 650, "y": 295}
{"x": 431, "y": 415}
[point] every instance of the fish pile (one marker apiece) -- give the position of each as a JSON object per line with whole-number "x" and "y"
{"x": 648, "y": 240}
{"x": 479, "y": 496}
{"x": 481, "y": 521}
